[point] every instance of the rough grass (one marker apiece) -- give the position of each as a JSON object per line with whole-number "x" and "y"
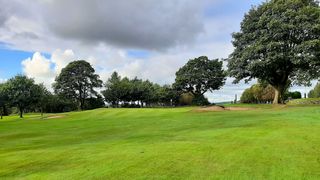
{"x": 308, "y": 101}
{"x": 265, "y": 143}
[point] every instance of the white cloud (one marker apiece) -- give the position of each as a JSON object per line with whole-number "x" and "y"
{"x": 105, "y": 39}
{"x": 60, "y": 59}
{"x": 39, "y": 68}
{"x": 45, "y": 70}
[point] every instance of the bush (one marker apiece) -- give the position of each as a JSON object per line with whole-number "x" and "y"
{"x": 200, "y": 101}
{"x": 186, "y": 99}
{"x": 292, "y": 95}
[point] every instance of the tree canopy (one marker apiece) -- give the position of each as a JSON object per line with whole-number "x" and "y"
{"x": 279, "y": 42}
{"x": 22, "y": 92}
{"x": 77, "y": 81}
{"x": 128, "y": 92}
{"x": 200, "y": 75}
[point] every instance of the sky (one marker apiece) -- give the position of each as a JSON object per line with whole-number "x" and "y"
{"x": 149, "y": 39}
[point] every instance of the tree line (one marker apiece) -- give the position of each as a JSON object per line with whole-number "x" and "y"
{"x": 278, "y": 43}
{"x": 76, "y": 88}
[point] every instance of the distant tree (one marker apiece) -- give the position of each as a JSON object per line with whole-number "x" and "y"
{"x": 22, "y": 92}
{"x": 168, "y": 96}
{"x": 94, "y": 102}
{"x": 292, "y": 95}
{"x": 315, "y": 92}
{"x": 137, "y": 92}
{"x": 126, "y": 90}
{"x": 247, "y": 96}
{"x": 58, "y": 104}
{"x": 200, "y": 75}
{"x": 77, "y": 81}
{"x": 44, "y": 95}
{"x": 258, "y": 93}
{"x": 113, "y": 93}
{"x": 279, "y": 42}
{"x": 3, "y": 100}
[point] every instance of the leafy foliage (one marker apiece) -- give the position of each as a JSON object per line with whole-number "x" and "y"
{"x": 129, "y": 92}
{"x": 279, "y": 41}
{"x": 77, "y": 81}
{"x": 292, "y": 95}
{"x": 22, "y": 92}
{"x": 258, "y": 93}
{"x": 264, "y": 93}
{"x": 200, "y": 75}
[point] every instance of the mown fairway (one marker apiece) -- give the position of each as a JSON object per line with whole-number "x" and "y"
{"x": 267, "y": 143}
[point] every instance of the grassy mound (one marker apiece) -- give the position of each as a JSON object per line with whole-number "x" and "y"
{"x": 308, "y": 101}
{"x": 265, "y": 143}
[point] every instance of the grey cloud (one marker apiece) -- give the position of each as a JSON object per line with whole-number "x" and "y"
{"x": 26, "y": 35}
{"x": 144, "y": 24}
{"x": 4, "y": 15}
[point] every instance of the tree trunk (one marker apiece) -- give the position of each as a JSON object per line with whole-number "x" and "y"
{"x": 1, "y": 114}
{"x": 21, "y": 112}
{"x": 81, "y": 106}
{"x": 276, "y": 96}
{"x": 41, "y": 113}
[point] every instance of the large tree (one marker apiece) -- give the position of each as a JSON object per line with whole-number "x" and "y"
{"x": 279, "y": 42}
{"x": 77, "y": 81}
{"x": 22, "y": 92}
{"x": 200, "y": 75}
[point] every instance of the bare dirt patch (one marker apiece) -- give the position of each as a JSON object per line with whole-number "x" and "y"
{"x": 221, "y": 108}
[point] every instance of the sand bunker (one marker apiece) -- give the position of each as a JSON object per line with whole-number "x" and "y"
{"x": 55, "y": 117}
{"x": 221, "y": 108}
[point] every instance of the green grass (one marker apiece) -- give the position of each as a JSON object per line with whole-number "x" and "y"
{"x": 265, "y": 143}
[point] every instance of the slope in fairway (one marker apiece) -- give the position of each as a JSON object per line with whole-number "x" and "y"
{"x": 266, "y": 143}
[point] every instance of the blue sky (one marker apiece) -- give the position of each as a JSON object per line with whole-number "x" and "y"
{"x": 145, "y": 38}
{"x": 11, "y": 62}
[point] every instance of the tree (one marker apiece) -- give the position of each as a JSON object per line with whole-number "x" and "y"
{"x": 112, "y": 93}
{"x": 247, "y": 96}
{"x": 292, "y": 95}
{"x": 167, "y": 95}
{"x": 58, "y": 104}
{"x": 94, "y": 102}
{"x": 200, "y": 75}
{"x": 44, "y": 96}
{"x": 279, "y": 42}
{"x": 22, "y": 92}
{"x": 77, "y": 81}
{"x": 258, "y": 93}
{"x": 3, "y": 100}
{"x": 315, "y": 92}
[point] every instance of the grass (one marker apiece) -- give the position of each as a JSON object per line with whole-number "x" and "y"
{"x": 307, "y": 101}
{"x": 265, "y": 143}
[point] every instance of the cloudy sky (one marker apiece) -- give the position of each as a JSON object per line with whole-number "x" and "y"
{"x": 150, "y": 39}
